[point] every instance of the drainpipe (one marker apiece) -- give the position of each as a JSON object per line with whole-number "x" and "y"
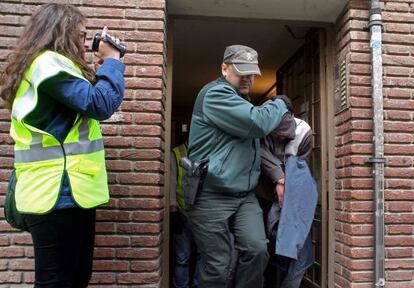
{"x": 378, "y": 160}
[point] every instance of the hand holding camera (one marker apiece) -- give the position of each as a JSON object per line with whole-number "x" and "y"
{"x": 107, "y": 46}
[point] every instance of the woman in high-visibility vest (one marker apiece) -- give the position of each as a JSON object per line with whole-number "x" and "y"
{"x": 56, "y": 102}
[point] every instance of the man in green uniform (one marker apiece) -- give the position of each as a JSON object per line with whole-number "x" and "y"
{"x": 225, "y": 132}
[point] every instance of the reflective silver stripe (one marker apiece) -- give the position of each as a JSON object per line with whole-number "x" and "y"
{"x": 25, "y": 104}
{"x": 84, "y": 147}
{"x": 84, "y": 130}
{"x": 38, "y": 153}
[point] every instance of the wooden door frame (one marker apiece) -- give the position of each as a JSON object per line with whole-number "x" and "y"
{"x": 328, "y": 151}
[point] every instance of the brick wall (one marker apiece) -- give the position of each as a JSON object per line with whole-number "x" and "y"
{"x": 129, "y": 230}
{"x": 354, "y": 195}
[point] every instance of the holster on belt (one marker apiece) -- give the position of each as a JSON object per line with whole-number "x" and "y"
{"x": 193, "y": 179}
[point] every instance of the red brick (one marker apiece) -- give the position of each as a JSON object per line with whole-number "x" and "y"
{"x": 143, "y": 59}
{"x": 137, "y": 253}
{"x": 146, "y": 191}
{"x": 102, "y": 278}
{"x": 397, "y": 28}
{"x": 149, "y": 71}
{"x": 148, "y": 166}
{"x": 22, "y": 239}
{"x": 393, "y": 6}
{"x": 116, "y": 216}
{"x": 145, "y": 241}
{"x": 119, "y": 142}
{"x": 396, "y": 49}
{"x": 4, "y": 264}
{"x": 142, "y": 106}
{"x": 140, "y": 178}
{"x": 119, "y": 165}
{"x": 145, "y": 14}
{"x": 150, "y": 25}
{"x": 102, "y": 227}
{"x": 147, "y": 216}
{"x": 145, "y": 83}
{"x": 406, "y": 252}
{"x": 403, "y": 218}
{"x": 21, "y": 265}
{"x": 111, "y": 3}
{"x": 4, "y": 240}
{"x": 400, "y": 173}
{"x": 10, "y": 277}
{"x": 111, "y": 265}
{"x": 358, "y": 253}
{"x": 142, "y": 130}
{"x": 113, "y": 25}
{"x": 400, "y": 229}
{"x": 397, "y": 17}
{"x": 152, "y": 4}
{"x": 398, "y": 194}
{"x": 103, "y": 253}
{"x": 133, "y": 203}
{"x": 102, "y": 12}
{"x": 28, "y": 277}
{"x": 399, "y": 275}
{"x": 398, "y": 149}
{"x": 147, "y": 142}
{"x": 112, "y": 240}
{"x": 354, "y": 229}
{"x": 140, "y": 278}
{"x": 11, "y": 252}
{"x": 400, "y": 263}
{"x": 145, "y": 266}
{"x": 150, "y": 47}
{"x": 138, "y": 228}
{"x": 399, "y": 138}
{"x": 400, "y": 207}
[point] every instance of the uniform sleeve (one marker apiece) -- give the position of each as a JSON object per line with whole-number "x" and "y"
{"x": 271, "y": 166}
{"x": 224, "y": 108}
{"x": 98, "y": 102}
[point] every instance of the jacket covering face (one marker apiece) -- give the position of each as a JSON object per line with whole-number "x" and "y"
{"x": 41, "y": 160}
{"x": 225, "y": 131}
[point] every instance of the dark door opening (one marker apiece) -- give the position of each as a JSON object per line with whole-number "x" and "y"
{"x": 290, "y": 57}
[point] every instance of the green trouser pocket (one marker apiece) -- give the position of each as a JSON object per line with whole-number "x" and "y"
{"x": 13, "y": 217}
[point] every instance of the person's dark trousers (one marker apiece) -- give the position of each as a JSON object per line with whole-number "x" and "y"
{"x": 213, "y": 218}
{"x": 182, "y": 246}
{"x": 63, "y": 243}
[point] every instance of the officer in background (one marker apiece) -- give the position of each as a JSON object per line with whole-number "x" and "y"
{"x": 182, "y": 239}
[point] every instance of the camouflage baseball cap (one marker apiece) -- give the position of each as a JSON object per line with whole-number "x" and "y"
{"x": 243, "y": 59}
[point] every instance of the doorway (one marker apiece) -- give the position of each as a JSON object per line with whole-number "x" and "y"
{"x": 290, "y": 59}
{"x": 299, "y": 79}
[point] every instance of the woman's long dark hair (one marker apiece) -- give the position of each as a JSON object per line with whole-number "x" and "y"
{"x": 53, "y": 27}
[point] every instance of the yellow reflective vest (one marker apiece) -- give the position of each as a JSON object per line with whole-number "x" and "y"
{"x": 40, "y": 159}
{"x": 179, "y": 153}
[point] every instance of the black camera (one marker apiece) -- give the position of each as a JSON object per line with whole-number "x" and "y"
{"x": 97, "y": 39}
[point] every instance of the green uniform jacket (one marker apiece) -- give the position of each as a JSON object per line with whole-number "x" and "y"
{"x": 225, "y": 131}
